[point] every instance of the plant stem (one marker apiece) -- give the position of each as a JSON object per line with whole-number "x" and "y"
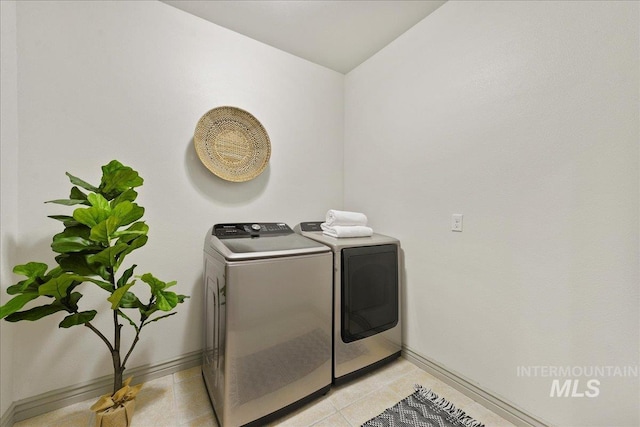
{"x": 133, "y": 344}
{"x": 115, "y": 354}
{"x": 118, "y": 368}
{"x": 102, "y": 337}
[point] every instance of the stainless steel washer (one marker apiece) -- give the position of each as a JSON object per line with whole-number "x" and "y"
{"x": 367, "y": 329}
{"x": 267, "y": 344}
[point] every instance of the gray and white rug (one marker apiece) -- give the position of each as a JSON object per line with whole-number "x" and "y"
{"x": 423, "y": 408}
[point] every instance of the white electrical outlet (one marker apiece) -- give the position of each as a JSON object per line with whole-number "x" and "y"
{"x": 456, "y": 222}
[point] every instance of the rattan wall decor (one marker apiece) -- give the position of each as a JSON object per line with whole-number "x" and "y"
{"x": 232, "y": 144}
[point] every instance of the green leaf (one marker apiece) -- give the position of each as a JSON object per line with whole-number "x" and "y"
{"x": 126, "y": 275}
{"x": 128, "y": 212}
{"x": 135, "y": 230}
{"x": 166, "y": 301}
{"x": 161, "y": 317}
{"x": 77, "y": 194}
{"x": 117, "y": 295}
{"x": 78, "y": 319}
{"x": 122, "y": 209}
{"x": 36, "y": 312}
{"x": 31, "y": 284}
{"x": 129, "y": 300}
{"x": 107, "y": 257}
{"x": 77, "y": 181}
{"x": 128, "y": 195}
{"x": 104, "y": 285}
{"x": 16, "y": 303}
{"x": 67, "y": 202}
{"x": 45, "y": 310}
{"x": 58, "y": 287}
{"x": 78, "y": 263}
{"x": 103, "y": 232}
{"x": 98, "y": 201}
{"x": 63, "y": 245}
{"x": 112, "y": 167}
{"x": 31, "y": 269}
{"x": 54, "y": 272}
{"x": 71, "y": 302}
{"x": 133, "y": 245}
{"x": 67, "y": 220}
{"x": 22, "y": 286}
{"x": 75, "y": 263}
{"x": 91, "y": 216}
{"x": 101, "y": 283}
{"x": 61, "y": 218}
{"x": 117, "y": 178}
{"x": 155, "y": 284}
{"x": 76, "y": 197}
{"x": 79, "y": 230}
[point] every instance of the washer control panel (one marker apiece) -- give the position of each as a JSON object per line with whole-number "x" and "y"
{"x": 250, "y": 229}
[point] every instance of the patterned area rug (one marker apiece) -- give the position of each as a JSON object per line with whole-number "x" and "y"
{"x": 423, "y": 408}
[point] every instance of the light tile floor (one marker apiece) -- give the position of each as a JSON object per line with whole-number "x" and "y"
{"x": 180, "y": 400}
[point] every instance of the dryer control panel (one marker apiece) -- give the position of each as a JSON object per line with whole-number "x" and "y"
{"x": 250, "y": 229}
{"x": 311, "y": 226}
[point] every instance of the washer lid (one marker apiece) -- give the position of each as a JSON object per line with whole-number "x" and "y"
{"x": 260, "y": 240}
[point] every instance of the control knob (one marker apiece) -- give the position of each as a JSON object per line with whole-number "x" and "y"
{"x": 255, "y": 227}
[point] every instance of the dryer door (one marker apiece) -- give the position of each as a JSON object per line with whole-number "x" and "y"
{"x": 369, "y": 291}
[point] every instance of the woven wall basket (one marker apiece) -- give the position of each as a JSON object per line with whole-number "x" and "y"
{"x": 232, "y": 144}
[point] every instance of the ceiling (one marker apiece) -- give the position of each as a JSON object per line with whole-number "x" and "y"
{"x": 338, "y": 34}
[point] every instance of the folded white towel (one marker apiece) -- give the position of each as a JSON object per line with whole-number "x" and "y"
{"x": 335, "y": 217}
{"x": 340, "y": 231}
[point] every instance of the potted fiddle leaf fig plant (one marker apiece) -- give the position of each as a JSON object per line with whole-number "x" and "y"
{"x": 105, "y": 226}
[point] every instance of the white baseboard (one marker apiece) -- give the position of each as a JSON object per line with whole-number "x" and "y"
{"x": 7, "y": 418}
{"x": 506, "y": 410}
{"x": 56, "y": 399}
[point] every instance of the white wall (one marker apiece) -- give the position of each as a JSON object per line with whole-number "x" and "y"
{"x": 8, "y": 184}
{"x": 523, "y": 116}
{"x": 520, "y": 115}
{"x": 129, "y": 80}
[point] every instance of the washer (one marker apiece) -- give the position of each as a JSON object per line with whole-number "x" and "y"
{"x": 367, "y": 331}
{"x": 267, "y": 344}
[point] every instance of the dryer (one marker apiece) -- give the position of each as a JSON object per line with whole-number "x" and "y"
{"x": 267, "y": 325}
{"x": 367, "y": 330}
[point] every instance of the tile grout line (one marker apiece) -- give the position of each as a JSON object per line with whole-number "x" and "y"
{"x": 346, "y": 420}
{"x": 381, "y": 387}
{"x": 174, "y": 400}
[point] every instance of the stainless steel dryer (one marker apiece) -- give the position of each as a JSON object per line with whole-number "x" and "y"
{"x": 367, "y": 330}
{"x": 267, "y": 344}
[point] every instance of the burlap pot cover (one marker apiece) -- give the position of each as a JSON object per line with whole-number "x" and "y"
{"x": 119, "y": 417}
